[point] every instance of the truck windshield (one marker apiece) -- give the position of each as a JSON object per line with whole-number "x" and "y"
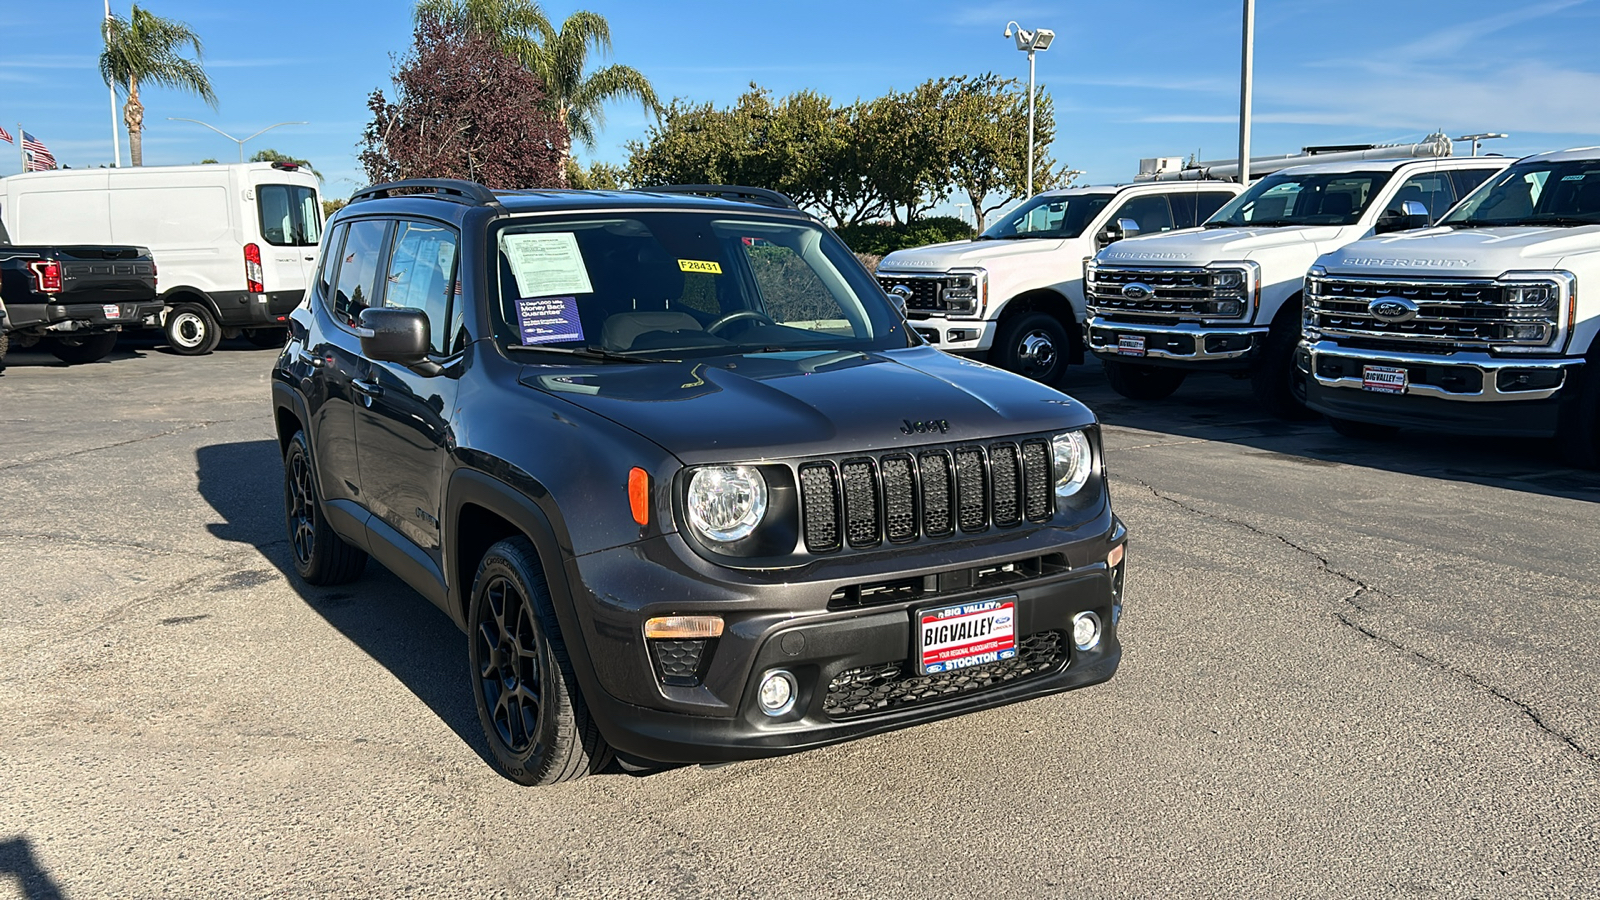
{"x": 1534, "y": 193}
{"x": 1285, "y": 198}
{"x": 1048, "y": 216}
{"x": 681, "y": 284}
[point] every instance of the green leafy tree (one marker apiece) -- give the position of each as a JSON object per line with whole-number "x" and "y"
{"x": 271, "y": 155}
{"x": 988, "y": 124}
{"x": 599, "y": 176}
{"x": 147, "y": 49}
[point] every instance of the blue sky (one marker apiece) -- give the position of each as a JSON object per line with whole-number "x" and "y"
{"x": 1129, "y": 80}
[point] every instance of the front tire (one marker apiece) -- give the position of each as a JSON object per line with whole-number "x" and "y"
{"x": 532, "y": 712}
{"x": 1272, "y": 378}
{"x": 1579, "y": 432}
{"x": 320, "y": 556}
{"x": 1033, "y": 344}
{"x": 1137, "y": 381}
{"x": 1362, "y": 431}
{"x": 192, "y": 330}
{"x": 87, "y": 348}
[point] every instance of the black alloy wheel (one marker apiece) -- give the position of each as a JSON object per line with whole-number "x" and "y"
{"x": 320, "y": 556}
{"x": 529, "y": 705}
{"x": 1035, "y": 345}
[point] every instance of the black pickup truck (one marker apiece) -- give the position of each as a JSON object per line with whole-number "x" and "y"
{"x": 74, "y": 299}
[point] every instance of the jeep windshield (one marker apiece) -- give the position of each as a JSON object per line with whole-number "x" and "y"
{"x": 1322, "y": 198}
{"x": 1048, "y": 216}
{"x": 1563, "y": 194}
{"x": 674, "y": 284}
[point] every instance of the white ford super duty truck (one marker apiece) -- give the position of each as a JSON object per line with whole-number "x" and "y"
{"x": 1227, "y": 297}
{"x": 1016, "y": 290}
{"x": 1477, "y": 326}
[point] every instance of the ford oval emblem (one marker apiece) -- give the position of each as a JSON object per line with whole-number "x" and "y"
{"x": 1136, "y": 291}
{"x": 1393, "y": 310}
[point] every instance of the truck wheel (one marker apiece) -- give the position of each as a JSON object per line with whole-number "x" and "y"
{"x": 192, "y": 330}
{"x": 1033, "y": 344}
{"x": 529, "y": 705}
{"x": 1270, "y": 380}
{"x": 270, "y": 338}
{"x": 85, "y": 348}
{"x": 1579, "y": 432}
{"x": 1362, "y": 431}
{"x": 320, "y": 555}
{"x": 1141, "y": 382}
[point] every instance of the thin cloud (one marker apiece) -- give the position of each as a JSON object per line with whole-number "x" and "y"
{"x": 1449, "y": 42}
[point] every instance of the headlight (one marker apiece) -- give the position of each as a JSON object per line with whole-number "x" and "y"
{"x": 966, "y": 293}
{"x": 1233, "y": 287}
{"x": 726, "y": 503}
{"x": 1073, "y": 461}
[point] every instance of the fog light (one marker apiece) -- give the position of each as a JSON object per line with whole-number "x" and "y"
{"x": 1086, "y": 631}
{"x": 777, "y": 693}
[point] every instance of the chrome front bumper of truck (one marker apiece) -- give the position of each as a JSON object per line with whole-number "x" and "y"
{"x": 1177, "y": 343}
{"x": 1472, "y": 377}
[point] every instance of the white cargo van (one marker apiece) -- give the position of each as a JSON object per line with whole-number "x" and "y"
{"x": 232, "y": 243}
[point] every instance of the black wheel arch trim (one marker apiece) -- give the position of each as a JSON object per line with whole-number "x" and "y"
{"x": 204, "y": 296}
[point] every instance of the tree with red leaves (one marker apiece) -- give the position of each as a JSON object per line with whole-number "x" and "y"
{"x": 463, "y": 109}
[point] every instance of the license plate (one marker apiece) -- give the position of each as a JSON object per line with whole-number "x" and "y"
{"x": 969, "y": 634}
{"x": 112, "y": 311}
{"x": 1130, "y": 344}
{"x": 1383, "y": 379}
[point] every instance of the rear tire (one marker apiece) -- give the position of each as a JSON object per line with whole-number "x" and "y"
{"x": 321, "y": 556}
{"x": 1034, "y": 345}
{"x": 1362, "y": 431}
{"x": 1137, "y": 381}
{"x": 1579, "y": 433}
{"x": 87, "y": 348}
{"x": 192, "y": 330}
{"x": 532, "y": 712}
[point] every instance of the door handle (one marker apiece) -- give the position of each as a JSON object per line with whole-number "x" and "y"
{"x": 310, "y": 259}
{"x": 314, "y": 362}
{"x": 367, "y": 388}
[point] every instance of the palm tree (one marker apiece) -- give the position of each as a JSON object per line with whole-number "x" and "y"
{"x": 558, "y": 56}
{"x": 145, "y": 48}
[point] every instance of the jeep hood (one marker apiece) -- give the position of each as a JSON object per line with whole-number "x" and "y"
{"x": 1200, "y": 246}
{"x": 1475, "y": 252}
{"x": 776, "y": 405}
{"x": 963, "y": 254}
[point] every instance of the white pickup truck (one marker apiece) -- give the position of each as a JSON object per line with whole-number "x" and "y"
{"x": 1016, "y": 290}
{"x": 1476, "y": 326}
{"x": 1226, "y": 298}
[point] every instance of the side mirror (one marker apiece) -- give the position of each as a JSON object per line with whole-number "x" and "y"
{"x": 397, "y": 336}
{"x": 1411, "y": 214}
{"x": 1128, "y": 227}
{"x": 1413, "y": 209}
{"x": 898, "y": 295}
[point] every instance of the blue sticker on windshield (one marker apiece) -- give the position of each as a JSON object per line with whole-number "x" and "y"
{"x": 547, "y": 320}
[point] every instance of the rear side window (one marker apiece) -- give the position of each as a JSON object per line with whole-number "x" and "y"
{"x": 358, "y": 270}
{"x": 422, "y": 269}
{"x": 291, "y": 215}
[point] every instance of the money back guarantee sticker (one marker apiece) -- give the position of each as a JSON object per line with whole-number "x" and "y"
{"x": 546, "y": 320}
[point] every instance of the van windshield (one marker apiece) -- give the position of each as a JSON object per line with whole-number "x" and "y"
{"x": 1284, "y": 198}
{"x": 1048, "y": 216}
{"x": 1534, "y": 193}
{"x": 291, "y": 215}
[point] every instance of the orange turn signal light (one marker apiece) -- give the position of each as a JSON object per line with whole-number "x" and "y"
{"x": 639, "y": 495}
{"x": 1114, "y": 558}
{"x": 682, "y": 627}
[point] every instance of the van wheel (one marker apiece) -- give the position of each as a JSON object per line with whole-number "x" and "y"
{"x": 529, "y": 705}
{"x": 320, "y": 555}
{"x": 1579, "y": 431}
{"x": 1272, "y": 379}
{"x": 1033, "y": 344}
{"x": 192, "y": 330}
{"x": 1141, "y": 382}
{"x": 1362, "y": 431}
{"x": 86, "y": 348}
{"x": 269, "y": 338}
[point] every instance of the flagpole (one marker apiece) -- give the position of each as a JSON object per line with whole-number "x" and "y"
{"x": 116, "y": 139}
{"x": 21, "y": 153}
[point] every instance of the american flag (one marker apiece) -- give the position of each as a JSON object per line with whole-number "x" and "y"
{"x": 39, "y": 158}
{"x": 5, "y": 135}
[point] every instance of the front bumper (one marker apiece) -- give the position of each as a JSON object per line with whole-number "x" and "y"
{"x": 1211, "y": 347}
{"x": 955, "y": 335}
{"x": 830, "y": 652}
{"x": 1462, "y": 392}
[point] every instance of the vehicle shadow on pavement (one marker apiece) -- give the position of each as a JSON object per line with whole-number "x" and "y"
{"x": 37, "y": 357}
{"x": 18, "y": 862}
{"x": 381, "y": 614}
{"x": 1222, "y": 409}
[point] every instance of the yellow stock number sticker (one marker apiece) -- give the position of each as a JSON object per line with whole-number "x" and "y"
{"x": 700, "y": 265}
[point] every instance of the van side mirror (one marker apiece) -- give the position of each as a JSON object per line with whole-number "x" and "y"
{"x": 397, "y": 336}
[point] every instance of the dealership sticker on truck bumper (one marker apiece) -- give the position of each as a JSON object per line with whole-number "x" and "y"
{"x": 1130, "y": 344}
{"x": 1383, "y": 379}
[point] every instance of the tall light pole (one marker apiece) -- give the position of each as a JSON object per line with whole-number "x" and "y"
{"x": 1031, "y": 42}
{"x": 1247, "y": 65}
{"x": 239, "y": 141}
{"x": 116, "y": 138}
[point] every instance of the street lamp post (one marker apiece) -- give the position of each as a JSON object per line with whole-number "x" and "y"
{"x": 239, "y": 141}
{"x": 1247, "y": 66}
{"x": 1030, "y": 42}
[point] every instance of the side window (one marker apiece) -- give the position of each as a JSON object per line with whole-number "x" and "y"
{"x": 291, "y": 215}
{"x": 791, "y": 292}
{"x": 330, "y": 260}
{"x": 1431, "y": 189}
{"x": 1182, "y": 210}
{"x": 358, "y": 269}
{"x": 1150, "y": 211}
{"x": 422, "y": 270}
{"x": 1467, "y": 180}
{"x": 1209, "y": 203}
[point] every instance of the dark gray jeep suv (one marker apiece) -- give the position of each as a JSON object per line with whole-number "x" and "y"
{"x": 681, "y": 472}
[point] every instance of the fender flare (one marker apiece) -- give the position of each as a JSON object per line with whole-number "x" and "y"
{"x": 205, "y": 298}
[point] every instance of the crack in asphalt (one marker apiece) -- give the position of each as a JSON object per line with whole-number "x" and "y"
{"x": 54, "y": 537}
{"x": 1361, "y": 589}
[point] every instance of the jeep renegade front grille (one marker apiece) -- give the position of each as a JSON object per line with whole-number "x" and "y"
{"x": 870, "y": 689}
{"x": 863, "y": 501}
{"x": 1448, "y": 314}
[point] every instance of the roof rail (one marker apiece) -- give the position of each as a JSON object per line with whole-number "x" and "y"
{"x": 455, "y": 190}
{"x": 728, "y": 191}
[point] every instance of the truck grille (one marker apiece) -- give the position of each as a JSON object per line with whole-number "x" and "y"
{"x": 1450, "y": 314}
{"x": 869, "y": 689}
{"x": 1176, "y": 292}
{"x": 932, "y": 492}
{"x": 927, "y": 294}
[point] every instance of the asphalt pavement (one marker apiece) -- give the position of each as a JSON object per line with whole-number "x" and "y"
{"x": 1352, "y": 670}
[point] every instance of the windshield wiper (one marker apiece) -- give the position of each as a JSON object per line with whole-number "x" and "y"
{"x": 1221, "y": 225}
{"x": 589, "y": 353}
{"x": 1558, "y": 221}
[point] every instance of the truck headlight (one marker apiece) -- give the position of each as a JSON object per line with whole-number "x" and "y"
{"x": 1074, "y": 459}
{"x": 1537, "y": 310}
{"x": 1234, "y": 286}
{"x": 966, "y": 292}
{"x": 726, "y": 503}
